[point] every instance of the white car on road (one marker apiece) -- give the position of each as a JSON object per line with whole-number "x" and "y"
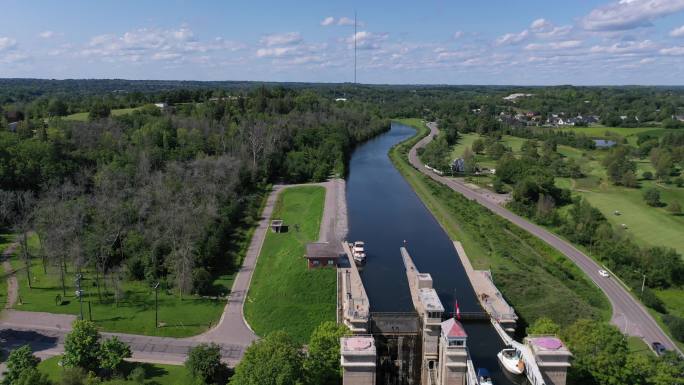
{"x": 603, "y": 273}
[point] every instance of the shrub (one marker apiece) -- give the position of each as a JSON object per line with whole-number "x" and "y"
{"x": 112, "y": 354}
{"x": 20, "y": 360}
{"x": 137, "y": 375}
{"x": 652, "y": 197}
{"x": 647, "y": 175}
{"x": 204, "y": 363}
{"x": 676, "y": 325}
{"x": 674, "y": 208}
{"x": 651, "y": 300}
{"x": 82, "y": 346}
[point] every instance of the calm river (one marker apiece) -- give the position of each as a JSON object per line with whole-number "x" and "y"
{"x": 384, "y": 212}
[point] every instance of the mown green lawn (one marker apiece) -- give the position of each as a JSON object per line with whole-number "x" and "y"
{"x": 155, "y": 374}
{"x": 83, "y": 116}
{"x": 284, "y": 294}
{"x": 135, "y": 312}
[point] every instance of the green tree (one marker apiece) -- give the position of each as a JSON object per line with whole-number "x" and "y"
{"x": 113, "y": 352}
{"x": 20, "y": 360}
{"x": 322, "y": 365}
{"x": 274, "y": 360}
{"x": 544, "y": 325}
{"x": 204, "y": 363}
{"x": 99, "y": 110}
{"x": 478, "y": 146}
{"x": 652, "y": 197}
{"x": 82, "y": 346}
{"x": 32, "y": 377}
{"x": 674, "y": 208}
{"x": 600, "y": 353}
{"x": 57, "y": 107}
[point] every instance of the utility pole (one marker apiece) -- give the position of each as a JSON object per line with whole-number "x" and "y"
{"x": 156, "y": 305}
{"x": 79, "y": 293}
{"x": 643, "y": 283}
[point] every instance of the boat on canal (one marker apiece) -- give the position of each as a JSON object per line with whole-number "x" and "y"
{"x": 511, "y": 359}
{"x": 358, "y": 252}
{"x": 483, "y": 377}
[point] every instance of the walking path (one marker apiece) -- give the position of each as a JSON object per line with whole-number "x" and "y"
{"x": 12, "y": 285}
{"x": 45, "y": 331}
{"x": 629, "y": 315}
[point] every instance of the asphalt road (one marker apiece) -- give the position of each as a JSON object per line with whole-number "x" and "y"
{"x": 629, "y": 315}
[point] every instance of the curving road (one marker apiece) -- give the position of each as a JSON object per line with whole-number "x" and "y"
{"x": 629, "y": 315}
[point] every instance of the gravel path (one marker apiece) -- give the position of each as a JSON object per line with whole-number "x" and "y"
{"x": 12, "y": 285}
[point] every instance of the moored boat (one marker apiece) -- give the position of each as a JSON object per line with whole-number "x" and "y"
{"x": 358, "y": 252}
{"x": 483, "y": 377}
{"x": 511, "y": 360}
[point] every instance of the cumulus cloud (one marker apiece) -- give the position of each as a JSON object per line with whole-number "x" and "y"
{"x": 345, "y": 21}
{"x": 630, "y": 14}
{"x": 289, "y": 38}
{"x": 154, "y": 44}
{"x": 328, "y": 21}
{"x": 540, "y": 25}
{"x": 673, "y": 51}
{"x": 513, "y": 38}
{"x": 457, "y": 35}
{"x": 7, "y": 43}
{"x": 567, "y": 44}
{"x": 46, "y": 34}
{"x": 367, "y": 40}
{"x": 629, "y": 47}
{"x": 677, "y": 32}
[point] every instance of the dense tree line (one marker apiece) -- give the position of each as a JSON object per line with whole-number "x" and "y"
{"x": 167, "y": 195}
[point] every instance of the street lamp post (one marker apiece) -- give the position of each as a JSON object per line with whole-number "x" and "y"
{"x": 156, "y": 305}
{"x": 643, "y": 283}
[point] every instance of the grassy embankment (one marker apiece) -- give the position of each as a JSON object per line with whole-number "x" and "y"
{"x": 535, "y": 278}
{"x": 155, "y": 374}
{"x": 284, "y": 294}
{"x": 83, "y": 116}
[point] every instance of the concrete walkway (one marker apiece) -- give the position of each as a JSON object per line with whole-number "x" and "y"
{"x": 45, "y": 331}
{"x": 628, "y": 313}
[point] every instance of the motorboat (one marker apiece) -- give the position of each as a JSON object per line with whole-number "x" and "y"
{"x": 511, "y": 359}
{"x": 483, "y": 377}
{"x": 358, "y": 251}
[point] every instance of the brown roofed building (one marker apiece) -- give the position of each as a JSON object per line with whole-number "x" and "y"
{"x": 322, "y": 254}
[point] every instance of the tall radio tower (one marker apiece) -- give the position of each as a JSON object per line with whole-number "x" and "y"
{"x": 354, "y": 46}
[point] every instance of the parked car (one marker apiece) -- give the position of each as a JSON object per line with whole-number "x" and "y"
{"x": 603, "y": 273}
{"x": 658, "y": 348}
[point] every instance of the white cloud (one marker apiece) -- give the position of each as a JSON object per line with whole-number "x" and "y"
{"x": 7, "y": 43}
{"x": 677, "y": 32}
{"x": 367, "y": 40}
{"x": 47, "y": 34}
{"x": 673, "y": 51}
{"x": 567, "y": 44}
{"x": 512, "y": 38}
{"x": 630, "y": 14}
{"x": 629, "y": 47}
{"x": 275, "y": 51}
{"x": 540, "y": 25}
{"x": 345, "y": 21}
{"x": 289, "y": 38}
{"x": 154, "y": 44}
{"x": 457, "y": 35}
{"x": 328, "y": 21}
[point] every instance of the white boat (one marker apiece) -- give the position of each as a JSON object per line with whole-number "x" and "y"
{"x": 483, "y": 377}
{"x": 358, "y": 251}
{"x": 512, "y": 360}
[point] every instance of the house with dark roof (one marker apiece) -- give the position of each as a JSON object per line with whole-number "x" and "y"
{"x": 322, "y": 254}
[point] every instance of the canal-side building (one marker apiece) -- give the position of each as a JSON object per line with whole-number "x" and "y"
{"x": 358, "y": 360}
{"x": 453, "y": 354}
{"x": 322, "y": 254}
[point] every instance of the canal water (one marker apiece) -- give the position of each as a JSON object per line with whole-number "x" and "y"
{"x": 385, "y": 212}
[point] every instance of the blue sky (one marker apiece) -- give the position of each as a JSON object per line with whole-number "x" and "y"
{"x": 428, "y": 41}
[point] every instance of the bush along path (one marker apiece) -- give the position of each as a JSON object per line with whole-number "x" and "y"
{"x": 45, "y": 332}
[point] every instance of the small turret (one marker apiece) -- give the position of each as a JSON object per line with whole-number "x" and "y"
{"x": 453, "y": 354}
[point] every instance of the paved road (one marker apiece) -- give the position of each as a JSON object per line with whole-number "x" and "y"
{"x": 45, "y": 331}
{"x": 628, "y": 314}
